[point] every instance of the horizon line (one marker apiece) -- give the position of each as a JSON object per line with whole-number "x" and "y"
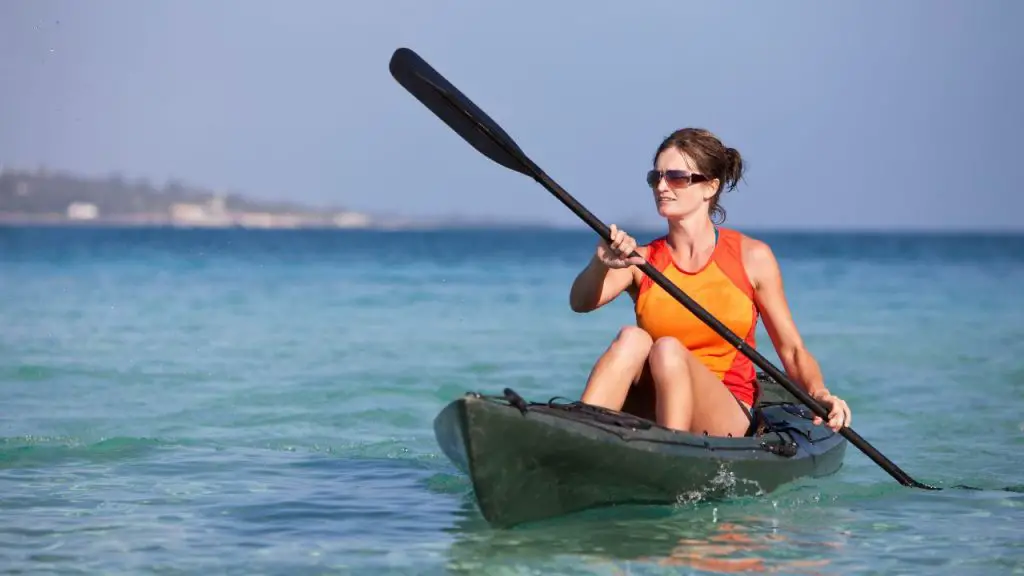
{"x": 511, "y": 226}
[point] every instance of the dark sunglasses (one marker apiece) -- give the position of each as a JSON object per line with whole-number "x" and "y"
{"x": 674, "y": 178}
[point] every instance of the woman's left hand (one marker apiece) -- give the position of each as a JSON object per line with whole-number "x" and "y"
{"x": 838, "y": 412}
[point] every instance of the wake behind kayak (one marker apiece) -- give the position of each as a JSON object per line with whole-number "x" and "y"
{"x": 530, "y": 461}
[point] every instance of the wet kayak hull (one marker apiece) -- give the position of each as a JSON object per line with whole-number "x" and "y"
{"x": 541, "y": 460}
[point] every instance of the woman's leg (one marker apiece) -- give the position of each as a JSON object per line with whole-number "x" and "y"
{"x": 689, "y": 396}
{"x": 641, "y": 399}
{"x": 617, "y": 369}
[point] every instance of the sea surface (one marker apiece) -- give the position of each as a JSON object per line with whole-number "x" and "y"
{"x": 261, "y": 402}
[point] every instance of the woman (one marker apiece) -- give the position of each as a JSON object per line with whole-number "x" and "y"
{"x": 672, "y": 367}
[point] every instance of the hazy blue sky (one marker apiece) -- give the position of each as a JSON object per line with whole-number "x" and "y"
{"x": 850, "y": 113}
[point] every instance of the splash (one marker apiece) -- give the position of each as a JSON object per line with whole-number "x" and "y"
{"x": 724, "y": 485}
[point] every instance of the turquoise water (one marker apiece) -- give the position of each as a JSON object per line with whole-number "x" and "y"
{"x": 245, "y": 402}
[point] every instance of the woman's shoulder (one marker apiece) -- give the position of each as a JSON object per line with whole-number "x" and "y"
{"x": 757, "y": 255}
{"x": 745, "y": 244}
{"x": 655, "y": 244}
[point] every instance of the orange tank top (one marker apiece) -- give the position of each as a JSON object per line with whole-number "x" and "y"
{"x": 723, "y": 289}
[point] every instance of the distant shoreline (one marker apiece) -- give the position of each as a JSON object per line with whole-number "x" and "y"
{"x": 35, "y": 198}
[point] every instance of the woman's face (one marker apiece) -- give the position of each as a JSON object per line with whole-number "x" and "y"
{"x": 681, "y": 190}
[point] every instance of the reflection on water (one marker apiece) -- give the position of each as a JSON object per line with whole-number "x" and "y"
{"x": 737, "y": 548}
{"x": 652, "y": 539}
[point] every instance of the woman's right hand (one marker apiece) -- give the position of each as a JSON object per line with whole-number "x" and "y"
{"x": 615, "y": 254}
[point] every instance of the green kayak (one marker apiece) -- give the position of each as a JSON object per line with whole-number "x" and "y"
{"x": 531, "y": 461}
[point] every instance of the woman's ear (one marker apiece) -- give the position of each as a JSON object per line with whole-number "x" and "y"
{"x": 712, "y": 188}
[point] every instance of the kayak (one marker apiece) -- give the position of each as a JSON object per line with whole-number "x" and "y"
{"x": 531, "y": 461}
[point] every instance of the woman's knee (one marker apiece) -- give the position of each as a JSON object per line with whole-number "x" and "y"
{"x": 667, "y": 353}
{"x": 634, "y": 338}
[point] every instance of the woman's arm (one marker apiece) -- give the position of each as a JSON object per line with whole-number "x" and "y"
{"x": 597, "y": 285}
{"x": 766, "y": 277}
{"x": 610, "y": 271}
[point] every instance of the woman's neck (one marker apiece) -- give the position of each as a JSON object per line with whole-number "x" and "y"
{"x": 691, "y": 235}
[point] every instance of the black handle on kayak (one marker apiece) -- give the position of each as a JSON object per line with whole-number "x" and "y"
{"x": 484, "y": 134}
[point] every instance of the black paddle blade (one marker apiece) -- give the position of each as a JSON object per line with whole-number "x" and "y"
{"x": 452, "y": 106}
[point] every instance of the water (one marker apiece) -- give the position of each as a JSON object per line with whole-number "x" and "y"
{"x": 261, "y": 402}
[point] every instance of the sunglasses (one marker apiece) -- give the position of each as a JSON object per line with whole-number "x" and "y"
{"x": 674, "y": 178}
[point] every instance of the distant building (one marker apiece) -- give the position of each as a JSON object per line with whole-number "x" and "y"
{"x": 183, "y": 213}
{"x": 189, "y": 214}
{"x": 256, "y": 220}
{"x": 82, "y": 211}
{"x": 351, "y": 220}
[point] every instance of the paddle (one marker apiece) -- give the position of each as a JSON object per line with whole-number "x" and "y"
{"x": 484, "y": 134}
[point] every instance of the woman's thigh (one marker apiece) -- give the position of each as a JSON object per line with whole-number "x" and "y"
{"x": 715, "y": 409}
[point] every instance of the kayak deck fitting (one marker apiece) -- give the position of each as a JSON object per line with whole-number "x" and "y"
{"x": 530, "y": 461}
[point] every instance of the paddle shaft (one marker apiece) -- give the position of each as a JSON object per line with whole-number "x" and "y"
{"x": 405, "y": 57}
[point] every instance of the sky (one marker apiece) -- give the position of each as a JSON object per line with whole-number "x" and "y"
{"x": 867, "y": 114}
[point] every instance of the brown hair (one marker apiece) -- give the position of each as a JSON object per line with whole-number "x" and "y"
{"x": 713, "y": 159}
